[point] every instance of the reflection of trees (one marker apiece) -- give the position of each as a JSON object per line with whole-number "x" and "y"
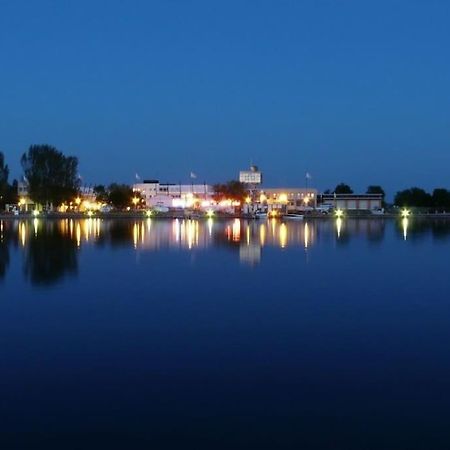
{"x": 50, "y": 254}
{"x": 6, "y": 237}
{"x": 4, "y": 258}
{"x": 440, "y": 229}
{"x": 419, "y": 229}
{"x": 117, "y": 233}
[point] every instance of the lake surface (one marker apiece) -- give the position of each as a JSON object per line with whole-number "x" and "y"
{"x": 226, "y": 334}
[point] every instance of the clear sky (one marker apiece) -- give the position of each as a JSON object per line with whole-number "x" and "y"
{"x": 349, "y": 90}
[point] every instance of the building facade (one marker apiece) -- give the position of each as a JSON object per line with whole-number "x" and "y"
{"x": 172, "y": 195}
{"x": 353, "y": 202}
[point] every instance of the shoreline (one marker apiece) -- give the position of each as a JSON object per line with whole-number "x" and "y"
{"x": 172, "y": 216}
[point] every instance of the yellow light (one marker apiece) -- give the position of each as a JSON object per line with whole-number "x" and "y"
{"x": 35, "y": 213}
{"x": 210, "y": 213}
{"x": 248, "y": 200}
{"x": 22, "y": 201}
{"x": 406, "y": 212}
{"x": 78, "y": 201}
{"x": 262, "y": 198}
{"x": 306, "y": 234}
{"x": 148, "y": 213}
{"x": 283, "y": 198}
{"x": 89, "y": 213}
{"x": 236, "y": 230}
{"x": 339, "y": 213}
{"x": 22, "y": 234}
{"x": 283, "y": 235}
{"x": 135, "y": 201}
{"x": 262, "y": 234}
{"x": 338, "y": 226}
{"x": 135, "y": 235}
{"x": 210, "y": 226}
{"x": 405, "y": 223}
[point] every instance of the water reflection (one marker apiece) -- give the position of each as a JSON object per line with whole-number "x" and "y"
{"x": 50, "y": 252}
{"x": 405, "y": 222}
{"x": 4, "y": 251}
{"x": 51, "y": 248}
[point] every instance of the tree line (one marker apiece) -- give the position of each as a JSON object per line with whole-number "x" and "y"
{"x": 53, "y": 178}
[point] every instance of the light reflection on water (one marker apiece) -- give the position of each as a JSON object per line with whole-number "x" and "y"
{"x": 189, "y": 234}
{"x": 248, "y": 237}
{"x": 214, "y": 316}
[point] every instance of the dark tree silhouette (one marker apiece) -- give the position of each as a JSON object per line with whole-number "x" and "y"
{"x": 4, "y": 187}
{"x": 375, "y": 189}
{"x": 413, "y": 197}
{"x": 120, "y": 195}
{"x": 52, "y": 177}
{"x": 233, "y": 189}
{"x": 343, "y": 188}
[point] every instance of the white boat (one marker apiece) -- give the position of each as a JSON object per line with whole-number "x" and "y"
{"x": 260, "y": 215}
{"x": 293, "y": 216}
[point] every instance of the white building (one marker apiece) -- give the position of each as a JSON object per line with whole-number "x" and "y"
{"x": 173, "y": 195}
{"x": 251, "y": 177}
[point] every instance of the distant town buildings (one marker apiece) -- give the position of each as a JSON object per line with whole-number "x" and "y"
{"x": 172, "y": 195}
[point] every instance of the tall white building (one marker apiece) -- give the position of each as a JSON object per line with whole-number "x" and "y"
{"x": 251, "y": 177}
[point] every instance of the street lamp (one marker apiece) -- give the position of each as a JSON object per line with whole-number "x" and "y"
{"x": 405, "y": 212}
{"x": 339, "y": 213}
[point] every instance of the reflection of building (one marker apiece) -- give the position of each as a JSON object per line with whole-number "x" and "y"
{"x": 353, "y": 201}
{"x": 173, "y": 195}
{"x": 250, "y": 254}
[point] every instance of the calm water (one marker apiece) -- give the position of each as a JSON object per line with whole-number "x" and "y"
{"x": 186, "y": 334}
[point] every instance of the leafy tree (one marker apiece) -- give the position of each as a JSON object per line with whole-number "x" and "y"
{"x": 120, "y": 195}
{"x": 52, "y": 177}
{"x": 234, "y": 190}
{"x": 413, "y": 197}
{"x": 375, "y": 189}
{"x": 12, "y": 195}
{"x": 101, "y": 195}
{"x": 4, "y": 174}
{"x": 441, "y": 198}
{"x": 343, "y": 188}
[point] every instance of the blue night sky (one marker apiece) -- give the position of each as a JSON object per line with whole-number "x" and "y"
{"x": 355, "y": 91}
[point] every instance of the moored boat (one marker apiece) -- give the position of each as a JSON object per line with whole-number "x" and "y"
{"x": 293, "y": 216}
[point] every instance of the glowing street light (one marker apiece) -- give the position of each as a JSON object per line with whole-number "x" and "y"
{"x": 339, "y": 213}
{"x": 135, "y": 201}
{"x": 405, "y": 212}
